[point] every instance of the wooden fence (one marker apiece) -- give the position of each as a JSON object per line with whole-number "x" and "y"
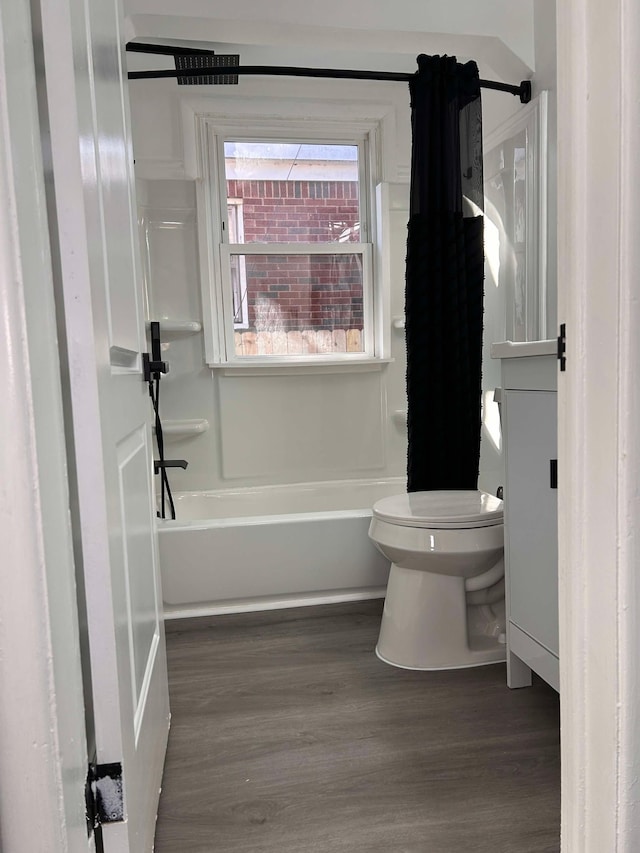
{"x": 299, "y": 343}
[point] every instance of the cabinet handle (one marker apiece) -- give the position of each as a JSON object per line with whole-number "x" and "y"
{"x": 553, "y": 473}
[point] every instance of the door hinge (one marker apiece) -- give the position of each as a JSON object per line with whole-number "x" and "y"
{"x": 562, "y": 346}
{"x": 104, "y": 795}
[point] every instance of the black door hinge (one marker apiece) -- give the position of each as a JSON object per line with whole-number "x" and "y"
{"x": 562, "y": 346}
{"x": 104, "y": 795}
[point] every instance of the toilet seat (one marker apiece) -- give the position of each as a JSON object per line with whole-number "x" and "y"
{"x": 441, "y": 510}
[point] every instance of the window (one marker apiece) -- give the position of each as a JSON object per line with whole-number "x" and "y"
{"x": 238, "y": 269}
{"x": 515, "y": 176}
{"x": 289, "y": 272}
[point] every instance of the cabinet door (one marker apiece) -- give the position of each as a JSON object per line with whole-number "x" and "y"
{"x": 531, "y": 514}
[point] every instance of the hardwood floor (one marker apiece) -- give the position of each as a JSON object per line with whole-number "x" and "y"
{"x": 290, "y": 736}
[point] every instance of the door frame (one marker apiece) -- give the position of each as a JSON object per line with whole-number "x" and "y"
{"x": 42, "y": 726}
{"x": 599, "y": 423}
{"x": 599, "y": 470}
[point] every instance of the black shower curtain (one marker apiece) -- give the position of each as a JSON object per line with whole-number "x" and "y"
{"x": 445, "y": 276}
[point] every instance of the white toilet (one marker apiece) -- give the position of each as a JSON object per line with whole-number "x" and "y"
{"x": 444, "y": 607}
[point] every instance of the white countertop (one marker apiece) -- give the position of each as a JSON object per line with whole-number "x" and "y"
{"x": 521, "y": 349}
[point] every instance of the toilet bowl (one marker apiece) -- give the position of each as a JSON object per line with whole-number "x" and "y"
{"x": 444, "y": 607}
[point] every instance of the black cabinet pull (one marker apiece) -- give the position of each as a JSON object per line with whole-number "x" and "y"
{"x": 553, "y": 473}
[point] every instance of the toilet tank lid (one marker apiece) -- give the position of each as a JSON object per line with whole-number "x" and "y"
{"x": 440, "y": 509}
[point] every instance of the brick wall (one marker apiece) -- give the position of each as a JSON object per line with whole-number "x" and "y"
{"x": 298, "y": 292}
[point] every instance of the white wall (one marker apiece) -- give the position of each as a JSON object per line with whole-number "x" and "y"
{"x": 544, "y": 79}
{"x": 264, "y": 429}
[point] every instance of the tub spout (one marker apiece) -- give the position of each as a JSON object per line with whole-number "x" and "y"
{"x": 168, "y": 463}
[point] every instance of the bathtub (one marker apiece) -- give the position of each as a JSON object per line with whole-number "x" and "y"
{"x": 262, "y": 548}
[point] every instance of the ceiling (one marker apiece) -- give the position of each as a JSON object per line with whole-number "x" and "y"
{"x": 498, "y": 34}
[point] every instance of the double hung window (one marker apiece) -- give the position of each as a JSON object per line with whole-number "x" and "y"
{"x": 290, "y": 262}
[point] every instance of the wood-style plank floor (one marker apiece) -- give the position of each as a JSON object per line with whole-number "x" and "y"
{"x": 290, "y": 736}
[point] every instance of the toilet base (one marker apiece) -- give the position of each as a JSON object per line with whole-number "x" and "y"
{"x": 424, "y": 624}
{"x": 499, "y": 658}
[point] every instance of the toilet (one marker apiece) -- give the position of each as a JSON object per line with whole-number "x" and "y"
{"x": 444, "y": 607}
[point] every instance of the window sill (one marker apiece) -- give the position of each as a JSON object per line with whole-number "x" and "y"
{"x": 261, "y": 367}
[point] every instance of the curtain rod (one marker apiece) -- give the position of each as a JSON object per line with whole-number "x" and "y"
{"x": 523, "y": 91}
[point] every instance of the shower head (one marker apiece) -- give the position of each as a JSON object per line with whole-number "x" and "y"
{"x": 193, "y": 61}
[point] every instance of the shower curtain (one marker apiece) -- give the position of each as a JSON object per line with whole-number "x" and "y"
{"x": 444, "y": 276}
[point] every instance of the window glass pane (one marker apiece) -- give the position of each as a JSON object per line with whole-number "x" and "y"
{"x": 301, "y": 304}
{"x": 239, "y": 291}
{"x": 293, "y": 192}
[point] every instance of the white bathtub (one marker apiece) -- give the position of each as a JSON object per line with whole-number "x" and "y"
{"x": 272, "y": 546}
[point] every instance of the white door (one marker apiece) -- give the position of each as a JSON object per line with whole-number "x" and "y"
{"x": 93, "y": 208}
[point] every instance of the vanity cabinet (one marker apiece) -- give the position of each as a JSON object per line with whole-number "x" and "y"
{"x": 529, "y": 429}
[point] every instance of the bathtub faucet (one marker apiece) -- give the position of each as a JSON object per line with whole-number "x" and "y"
{"x": 168, "y": 463}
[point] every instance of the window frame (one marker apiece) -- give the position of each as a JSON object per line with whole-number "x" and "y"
{"x": 216, "y": 248}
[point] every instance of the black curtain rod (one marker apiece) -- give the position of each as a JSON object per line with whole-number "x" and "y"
{"x": 523, "y": 91}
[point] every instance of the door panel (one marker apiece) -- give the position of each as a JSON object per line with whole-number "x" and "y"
{"x": 532, "y": 514}
{"x": 110, "y": 411}
{"x": 143, "y": 616}
{"x": 114, "y": 187}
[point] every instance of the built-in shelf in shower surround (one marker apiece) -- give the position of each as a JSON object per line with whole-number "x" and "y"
{"x": 520, "y": 349}
{"x": 399, "y": 416}
{"x": 398, "y": 323}
{"x": 179, "y": 327}
{"x": 184, "y": 428}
